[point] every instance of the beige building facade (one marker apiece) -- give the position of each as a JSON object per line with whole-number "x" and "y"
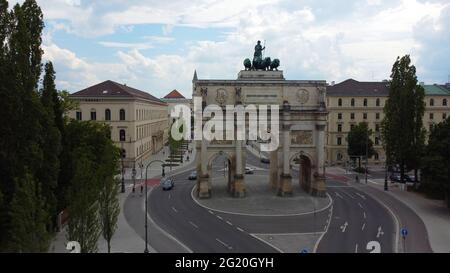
{"x": 351, "y": 102}
{"x": 138, "y": 120}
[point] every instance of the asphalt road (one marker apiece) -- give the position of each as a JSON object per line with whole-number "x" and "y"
{"x": 353, "y": 220}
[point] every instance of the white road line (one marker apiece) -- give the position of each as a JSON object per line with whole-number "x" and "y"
{"x": 210, "y": 211}
{"x": 192, "y": 224}
{"x": 326, "y": 227}
{"x": 360, "y": 195}
{"x": 349, "y": 195}
{"x": 219, "y": 217}
{"x": 169, "y": 195}
{"x": 344, "y": 227}
{"x": 240, "y": 229}
{"x": 228, "y": 222}
{"x": 338, "y": 195}
{"x": 363, "y": 226}
{"x": 174, "y": 209}
{"x": 356, "y": 248}
{"x": 380, "y": 232}
{"x": 359, "y": 204}
{"x": 364, "y": 214}
{"x": 224, "y": 244}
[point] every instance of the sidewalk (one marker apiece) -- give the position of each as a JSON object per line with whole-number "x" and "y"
{"x": 125, "y": 239}
{"x": 433, "y": 213}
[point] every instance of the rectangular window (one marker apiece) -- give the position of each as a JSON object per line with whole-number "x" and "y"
{"x": 431, "y": 115}
{"x": 93, "y": 115}
{"x": 339, "y": 115}
{"x": 339, "y": 141}
{"x": 377, "y": 141}
{"x": 364, "y": 115}
{"x": 377, "y": 127}
{"x": 351, "y": 126}
{"x": 79, "y": 116}
{"x": 444, "y": 115}
{"x": 352, "y": 115}
{"x": 339, "y": 127}
{"x": 377, "y": 115}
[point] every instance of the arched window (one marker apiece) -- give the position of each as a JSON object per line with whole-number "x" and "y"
{"x": 376, "y": 156}
{"x": 339, "y": 157}
{"x": 122, "y": 114}
{"x": 107, "y": 114}
{"x": 93, "y": 114}
{"x": 123, "y": 153}
{"x": 339, "y": 102}
{"x": 444, "y": 102}
{"x": 431, "y": 102}
{"x": 352, "y": 102}
{"x": 122, "y": 135}
{"x": 378, "y": 102}
{"x": 365, "y": 102}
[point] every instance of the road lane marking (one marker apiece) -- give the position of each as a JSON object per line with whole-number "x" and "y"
{"x": 359, "y": 204}
{"x": 327, "y": 226}
{"x": 344, "y": 227}
{"x": 240, "y": 229}
{"x": 224, "y": 244}
{"x": 363, "y": 226}
{"x": 356, "y": 248}
{"x": 338, "y": 195}
{"x": 219, "y": 217}
{"x": 360, "y": 195}
{"x": 364, "y": 214}
{"x": 192, "y": 224}
{"x": 210, "y": 212}
{"x": 228, "y": 222}
{"x": 174, "y": 209}
{"x": 169, "y": 196}
{"x": 349, "y": 195}
{"x": 380, "y": 232}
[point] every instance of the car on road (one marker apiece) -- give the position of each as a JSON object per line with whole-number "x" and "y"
{"x": 249, "y": 170}
{"x": 265, "y": 160}
{"x": 395, "y": 177}
{"x": 193, "y": 175}
{"x": 167, "y": 184}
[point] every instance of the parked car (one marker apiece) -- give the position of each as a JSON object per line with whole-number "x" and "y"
{"x": 249, "y": 170}
{"x": 395, "y": 177}
{"x": 167, "y": 184}
{"x": 193, "y": 175}
{"x": 265, "y": 160}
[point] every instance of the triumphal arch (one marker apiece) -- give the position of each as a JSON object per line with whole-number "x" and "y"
{"x": 300, "y": 128}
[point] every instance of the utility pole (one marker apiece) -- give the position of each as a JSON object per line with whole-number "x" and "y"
{"x": 367, "y": 151}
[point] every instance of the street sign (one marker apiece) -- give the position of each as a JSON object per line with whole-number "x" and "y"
{"x": 404, "y": 232}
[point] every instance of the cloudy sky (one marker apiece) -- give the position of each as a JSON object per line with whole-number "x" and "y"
{"x": 156, "y": 45}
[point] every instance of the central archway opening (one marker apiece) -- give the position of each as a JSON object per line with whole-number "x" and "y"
{"x": 220, "y": 171}
{"x": 301, "y": 169}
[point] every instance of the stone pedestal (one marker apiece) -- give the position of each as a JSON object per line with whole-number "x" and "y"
{"x": 239, "y": 190}
{"x": 204, "y": 187}
{"x": 318, "y": 186}
{"x": 285, "y": 185}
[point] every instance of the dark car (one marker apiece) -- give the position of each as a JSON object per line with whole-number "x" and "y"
{"x": 395, "y": 177}
{"x": 265, "y": 160}
{"x": 193, "y": 175}
{"x": 167, "y": 184}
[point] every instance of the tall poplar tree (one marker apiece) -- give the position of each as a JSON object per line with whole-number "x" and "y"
{"x": 402, "y": 128}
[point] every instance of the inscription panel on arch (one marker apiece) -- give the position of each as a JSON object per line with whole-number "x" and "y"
{"x": 302, "y": 137}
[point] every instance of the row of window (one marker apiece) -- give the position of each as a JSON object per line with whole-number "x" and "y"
{"x": 79, "y": 114}
{"x": 365, "y": 102}
{"x": 340, "y": 157}
{"x": 444, "y": 115}
{"x": 339, "y": 141}
{"x": 146, "y": 114}
{"x": 444, "y": 102}
{"x": 339, "y": 127}
{"x": 352, "y": 116}
{"x": 378, "y": 102}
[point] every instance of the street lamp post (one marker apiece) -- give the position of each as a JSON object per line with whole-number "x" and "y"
{"x": 386, "y": 176}
{"x": 367, "y": 151}
{"x": 146, "y": 229}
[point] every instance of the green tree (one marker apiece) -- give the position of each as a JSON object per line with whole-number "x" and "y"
{"x": 83, "y": 225}
{"x": 29, "y": 218}
{"x": 108, "y": 199}
{"x": 436, "y": 163}
{"x": 51, "y": 145}
{"x": 402, "y": 129}
{"x": 359, "y": 142}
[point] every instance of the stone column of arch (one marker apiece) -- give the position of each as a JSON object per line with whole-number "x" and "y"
{"x": 273, "y": 178}
{"x": 318, "y": 185}
{"x": 239, "y": 189}
{"x": 285, "y": 182}
{"x": 203, "y": 177}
